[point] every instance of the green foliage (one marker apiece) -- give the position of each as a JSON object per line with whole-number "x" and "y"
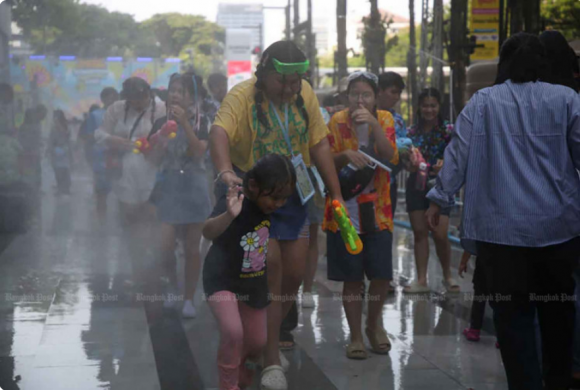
{"x": 374, "y": 38}
{"x": 563, "y": 15}
{"x": 67, "y": 27}
{"x": 195, "y": 40}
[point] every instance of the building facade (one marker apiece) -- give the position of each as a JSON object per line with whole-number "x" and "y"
{"x": 243, "y": 16}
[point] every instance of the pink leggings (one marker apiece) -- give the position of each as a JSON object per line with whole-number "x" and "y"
{"x": 242, "y": 335}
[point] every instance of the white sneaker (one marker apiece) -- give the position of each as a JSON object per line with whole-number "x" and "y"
{"x": 307, "y": 300}
{"x": 188, "y": 310}
{"x": 284, "y": 363}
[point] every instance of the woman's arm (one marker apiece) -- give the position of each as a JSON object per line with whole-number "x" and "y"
{"x": 196, "y": 146}
{"x": 349, "y": 156}
{"x": 220, "y": 155}
{"x": 104, "y": 134}
{"x": 324, "y": 161}
{"x": 384, "y": 148}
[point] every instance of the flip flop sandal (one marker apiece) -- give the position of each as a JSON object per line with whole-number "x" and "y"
{"x": 377, "y": 339}
{"x": 356, "y": 351}
{"x": 451, "y": 286}
{"x": 416, "y": 288}
{"x": 286, "y": 342}
{"x": 286, "y": 345}
{"x": 273, "y": 378}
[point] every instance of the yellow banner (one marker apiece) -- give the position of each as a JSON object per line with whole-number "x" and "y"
{"x": 485, "y": 26}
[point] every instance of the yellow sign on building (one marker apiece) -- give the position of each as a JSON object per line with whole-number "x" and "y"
{"x": 485, "y": 26}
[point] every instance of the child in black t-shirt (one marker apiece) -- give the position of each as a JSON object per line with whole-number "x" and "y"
{"x": 234, "y": 275}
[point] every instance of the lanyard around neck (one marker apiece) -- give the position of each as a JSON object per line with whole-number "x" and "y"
{"x": 285, "y": 129}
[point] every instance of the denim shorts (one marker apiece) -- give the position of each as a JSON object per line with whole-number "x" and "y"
{"x": 417, "y": 200}
{"x": 376, "y": 259}
{"x": 288, "y": 223}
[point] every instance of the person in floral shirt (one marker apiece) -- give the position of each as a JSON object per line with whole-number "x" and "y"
{"x": 430, "y": 135}
{"x": 362, "y": 127}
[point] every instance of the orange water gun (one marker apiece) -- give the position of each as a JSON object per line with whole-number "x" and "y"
{"x": 353, "y": 243}
{"x": 142, "y": 146}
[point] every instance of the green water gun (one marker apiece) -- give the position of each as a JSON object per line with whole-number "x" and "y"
{"x": 353, "y": 243}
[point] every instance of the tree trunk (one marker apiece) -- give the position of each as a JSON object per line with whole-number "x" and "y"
{"x": 532, "y": 16}
{"x": 424, "y": 63}
{"x": 341, "y": 53}
{"x": 375, "y": 40}
{"x": 457, "y": 53}
{"x": 517, "y": 16}
{"x": 412, "y": 62}
{"x": 437, "y": 80}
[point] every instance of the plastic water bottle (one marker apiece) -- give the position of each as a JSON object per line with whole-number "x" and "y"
{"x": 421, "y": 176}
{"x": 362, "y": 132}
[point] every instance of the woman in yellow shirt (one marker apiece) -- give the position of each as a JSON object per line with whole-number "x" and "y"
{"x": 276, "y": 112}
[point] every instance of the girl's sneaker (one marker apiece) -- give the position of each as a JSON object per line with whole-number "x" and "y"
{"x": 188, "y": 310}
{"x": 471, "y": 334}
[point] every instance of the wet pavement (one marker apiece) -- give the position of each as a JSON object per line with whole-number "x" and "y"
{"x": 78, "y": 310}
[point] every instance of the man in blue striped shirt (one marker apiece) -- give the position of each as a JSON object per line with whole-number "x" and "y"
{"x": 516, "y": 148}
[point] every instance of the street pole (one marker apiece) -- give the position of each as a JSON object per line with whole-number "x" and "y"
{"x": 296, "y": 16}
{"x": 311, "y": 45}
{"x": 412, "y": 61}
{"x": 341, "y": 53}
{"x": 288, "y": 29}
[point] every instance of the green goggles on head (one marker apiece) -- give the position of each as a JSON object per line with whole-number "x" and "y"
{"x": 297, "y": 67}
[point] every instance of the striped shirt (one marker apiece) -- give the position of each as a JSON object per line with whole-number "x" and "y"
{"x": 516, "y": 147}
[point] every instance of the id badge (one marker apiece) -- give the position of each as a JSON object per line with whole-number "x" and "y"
{"x": 319, "y": 182}
{"x": 303, "y": 183}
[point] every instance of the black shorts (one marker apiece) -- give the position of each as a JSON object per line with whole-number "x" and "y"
{"x": 376, "y": 259}
{"x": 416, "y": 199}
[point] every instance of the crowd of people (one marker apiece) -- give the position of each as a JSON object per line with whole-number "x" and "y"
{"x": 255, "y": 172}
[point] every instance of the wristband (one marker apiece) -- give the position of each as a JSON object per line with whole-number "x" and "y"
{"x": 219, "y": 176}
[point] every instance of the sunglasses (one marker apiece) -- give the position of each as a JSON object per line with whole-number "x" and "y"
{"x": 369, "y": 76}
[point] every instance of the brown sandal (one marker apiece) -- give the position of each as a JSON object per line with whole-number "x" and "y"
{"x": 356, "y": 351}
{"x": 380, "y": 343}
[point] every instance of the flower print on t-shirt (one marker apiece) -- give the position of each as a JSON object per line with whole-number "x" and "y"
{"x": 255, "y": 246}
